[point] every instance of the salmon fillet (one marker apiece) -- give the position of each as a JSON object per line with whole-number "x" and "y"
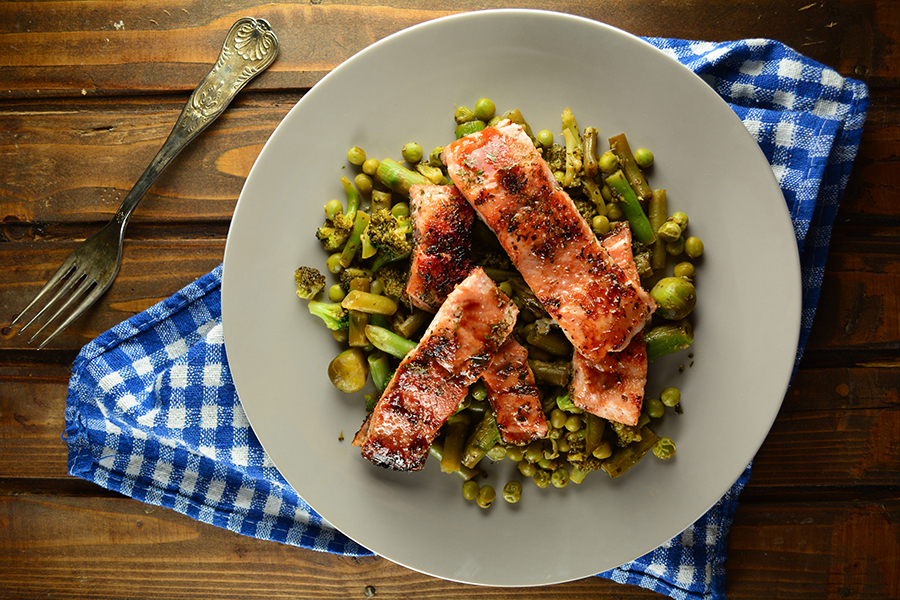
{"x": 513, "y": 395}
{"x": 513, "y": 191}
{"x": 432, "y": 380}
{"x": 614, "y": 387}
{"x": 442, "y": 241}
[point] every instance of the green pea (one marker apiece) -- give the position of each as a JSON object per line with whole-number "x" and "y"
{"x": 541, "y": 478}
{"x": 370, "y": 166}
{"x": 463, "y": 114}
{"x": 684, "y": 269}
{"x": 485, "y": 109}
{"x": 600, "y": 225}
{"x": 608, "y": 162}
{"x": 669, "y": 231}
{"x": 333, "y": 263}
{"x": 494, "y": 120}
{"x": 478, "y": 391}
{"x": 527, "y": 469}
{"x": 497, "y": 453}
{"x": 333, "y": 208}
{"x": 675, "y": 248}
{"x": 563, "y": 445}
{"x": 534, "y": 452}
{"x": 643, "y": 157}
{"x": 401, "y": 209}
{"x": 664, "y": 448}
{"x": 506, "y": 288}
{"x": 655, "y": 408}
{"x": 614, "y": 212}
{"x": 336, "y": 293}
{"x": 470, "y": 489}
{"x": 486, "y": 496}
{"x": 411, "y": 152}
{"x": 515, "y": 453}
{"x": 681, "y": 219}
{"x": 356, "y": 155}
{"x": 376, "y": 287}
{"x": 512, "y": 492}
{"x": 545, "y": 138}
{"x": 604, "y": 450}
{"x": 560, "y": 477}
{"x": 693, "y": 247}
{"x": 558, "y": 418}
{"x": 670, "y": 397}
{"x": 340, "y": 335}
{"x": 574, "y": 422}
{"x": 363, "y": 183}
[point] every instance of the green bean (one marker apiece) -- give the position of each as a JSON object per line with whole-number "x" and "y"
{"x": 515, "y": 116}
{"x": 380, "y": 368}
{"x": 590, "y": 162}
{"x": 594, "y": 427}
{"x": 548, "y": 339}
{"x": 550, "y": 373}
{"x": 625, "y": 458}
{"x": 482, "y": 439}
{"x": 437, "y": 450}
{"x": 631, "y": 206}
{"x": 411, "y": 323}
{"x": 633, "y": 173}
{"x": 348, "y": 371}
{"x": 354, "y": 242}
{"x": 397, "y": 177}
{"x": 358, "y": 320}
{"x": 669, "y": 338}
{"x": 464, "y": 129}
{"x": 388, "y": 341}
{"x": 455, "y": 438}
{"x": 369, "y": 303}
{"x": 512, "y": 492}
{"x": 657, "y": 215}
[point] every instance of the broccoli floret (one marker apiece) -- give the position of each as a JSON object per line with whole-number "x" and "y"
{"x": 586, "y": 208}
{"x": 390, "y": 235}
{"x": 394, "y": 277}
{"x": 351, "y": 273}
{"x": 309, "y": 282}
{"x": 626, "y": 433}
{"x": 332, "y": 235}
{"x": 332, "y": 314}
{"x": 577, "y": 454}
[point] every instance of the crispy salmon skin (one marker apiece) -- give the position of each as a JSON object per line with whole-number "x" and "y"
{"x": 511, "y": 188}
{"x": 432, "y": 380}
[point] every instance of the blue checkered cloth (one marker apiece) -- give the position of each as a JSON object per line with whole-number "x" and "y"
{"x": 152, "y": 410}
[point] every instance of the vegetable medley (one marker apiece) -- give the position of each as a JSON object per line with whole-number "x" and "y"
{"x": 368, "y": 241}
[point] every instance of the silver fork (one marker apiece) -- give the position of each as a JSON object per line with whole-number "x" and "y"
{"x": 249, "y": 48}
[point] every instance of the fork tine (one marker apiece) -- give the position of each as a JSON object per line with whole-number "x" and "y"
{"x": 88, "y": 301}
{"x": 61, "y": 272}
{"x": 74, "y": 275}
{"x": 86, "y": 283}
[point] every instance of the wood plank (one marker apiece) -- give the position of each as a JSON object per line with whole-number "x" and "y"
{"x": 817, "y": 551}
{"x": 91, "y": 48}
{"x": 110, "y": 547}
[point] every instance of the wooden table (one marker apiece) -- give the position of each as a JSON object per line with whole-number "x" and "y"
{"x": 88, "y": 92}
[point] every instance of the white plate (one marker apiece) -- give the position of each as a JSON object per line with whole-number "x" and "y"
{"x": 405, "y": 88}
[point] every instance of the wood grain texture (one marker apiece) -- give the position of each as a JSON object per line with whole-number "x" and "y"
{"x": 88, "y": 92}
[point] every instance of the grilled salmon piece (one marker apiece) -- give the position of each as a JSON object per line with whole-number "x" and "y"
{"x": 614, "y": 388}
{"x": 431, "y": 381}
{"x": 513, "y": 395}
{"x": 442, "y": 241}
{"x": 513, "y": 191}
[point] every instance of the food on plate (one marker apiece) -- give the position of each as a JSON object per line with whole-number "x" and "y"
{"x": 442, "y": 241}
{"x": 433, "y": 379}
{"x": 514, "y": 191}
{"x": 493, "y": 296}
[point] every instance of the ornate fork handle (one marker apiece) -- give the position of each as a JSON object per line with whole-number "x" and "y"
{"x": 250, "y": 46}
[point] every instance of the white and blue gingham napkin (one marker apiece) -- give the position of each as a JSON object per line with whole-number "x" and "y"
{"x": 153, "y": 413}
